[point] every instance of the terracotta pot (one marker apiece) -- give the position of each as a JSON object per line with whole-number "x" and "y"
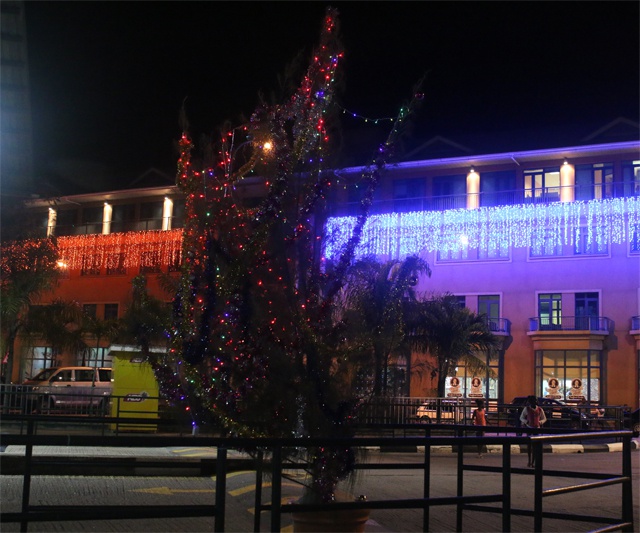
{"x": 346, "y": 520}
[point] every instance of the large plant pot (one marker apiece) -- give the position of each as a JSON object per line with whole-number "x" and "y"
{"x": 345, "y": 520}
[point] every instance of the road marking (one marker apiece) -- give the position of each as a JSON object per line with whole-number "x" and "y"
{"x": 166, "y": 491}
{"x": 234, "y": 474}
{"x": 197, "y": 452}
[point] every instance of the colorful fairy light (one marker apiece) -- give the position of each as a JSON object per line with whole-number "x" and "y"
{"x": 519, "y": 226}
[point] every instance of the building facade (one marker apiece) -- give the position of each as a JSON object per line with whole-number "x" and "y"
{"x": 545, "y": 243}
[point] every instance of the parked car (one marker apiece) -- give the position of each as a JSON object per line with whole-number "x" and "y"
{"x": 69, "y": 386}
{"x": 559, "y": 414}
{"x": 451, "y": 411}
{"x": 632, "y": 422}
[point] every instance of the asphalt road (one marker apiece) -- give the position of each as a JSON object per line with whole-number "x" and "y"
{"x": 376, "y": 484}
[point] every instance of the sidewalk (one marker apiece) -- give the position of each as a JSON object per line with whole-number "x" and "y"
{"x": 12, "y": 456}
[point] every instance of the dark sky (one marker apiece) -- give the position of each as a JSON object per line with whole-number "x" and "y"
{"x": 108, "y": 78}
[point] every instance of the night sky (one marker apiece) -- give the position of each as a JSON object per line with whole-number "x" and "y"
{"x": 108, "y": 79}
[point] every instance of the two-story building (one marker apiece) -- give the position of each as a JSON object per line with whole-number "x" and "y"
{"x": 545, "y": 243}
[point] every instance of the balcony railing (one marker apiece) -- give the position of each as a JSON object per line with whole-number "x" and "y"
{"x": 570, "y": 323}
{"x": 544, "y": 195}
{"x": 94, "y": 228}
{"x": 499, "y": 326}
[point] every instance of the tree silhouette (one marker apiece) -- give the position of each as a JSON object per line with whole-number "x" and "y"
{"x": 259, "y": 343}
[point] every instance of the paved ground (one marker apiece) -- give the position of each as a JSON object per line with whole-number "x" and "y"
{"x": 382, "y": 520}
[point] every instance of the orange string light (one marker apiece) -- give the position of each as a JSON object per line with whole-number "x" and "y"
{"x": 139, "y": 248}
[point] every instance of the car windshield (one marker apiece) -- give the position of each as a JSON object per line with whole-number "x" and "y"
{"x": 44, "y": 375}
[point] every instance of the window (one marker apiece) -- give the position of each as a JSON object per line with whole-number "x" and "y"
{"x": 175, "y": 263}
{"x": 634, "y": 239}
{"x": 489, "y": 305}
{"x": 90, "y": 265}
{"x": 497, "y": 188}
{"x": 542, "y": 185}
{"x": 151, "y": 215}
{"x": 586, "y": 242}
{"x": 495, "y": 249}
{"x": 110, "y": 311}
{"x": 408, "y": 195}
{"x": 92, "y": 219}
{"x": 90, "y": 310}
{"x": 587, "y": 310}
{"x": 177, "y": 220}
{"x": 115, "y": 265}
{"x": 631, "y": 178}
{"x": 150, "y": 262}
{"x": 65, "y": 222}
{"x": 492, "y": 251}
{"x": 123, "y": 217}
{"x": 569, "y": 375}
{"x": 84, "y": 375}
{"x": 462, "y": 301}
{"x": 39, "y": 358}
{"x": 550, "y": 310}
{"x": 65, "y": 376}
{"x": 546, "y": 243}
{"x": 449, "y": 192}
{"x": 459, "y": 254}
{"x": 475, "y": 384}
{"x": 594, "y": 182}
{"x": 98, "y": 357}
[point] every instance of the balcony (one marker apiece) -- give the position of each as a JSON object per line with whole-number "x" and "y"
{"x": 545, "y": 195}
{"x": 499, "y": 326}
{"x": 593, "y": 324}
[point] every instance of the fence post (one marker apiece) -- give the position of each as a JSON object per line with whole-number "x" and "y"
{"x": 460, "y": 479}
{"x": 627, "y": 486}
{"x": 276, "y": 488}
{"x": 26, "y": 483}
{"x": 537, "y": 455}
{"x": 426, "y": 481}
{"x": 221, "y": 488}
{"x": 506, "y": 487}
{"x": 258, "y": 498}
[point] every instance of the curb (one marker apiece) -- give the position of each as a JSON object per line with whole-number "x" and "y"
{"x": 546, "y": 448}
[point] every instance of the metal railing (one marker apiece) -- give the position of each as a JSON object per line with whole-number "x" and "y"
{"x": 16, "y": 399}
{"x": 500, "y": 502}
{"x": 561, "y": 417}
{"x": 543, "y": 195}
{"x": 598, "y": 324}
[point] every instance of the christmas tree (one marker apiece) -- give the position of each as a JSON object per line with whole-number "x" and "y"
{"x": 259, "y": 346}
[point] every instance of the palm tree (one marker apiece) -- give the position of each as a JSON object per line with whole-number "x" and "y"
{"x": 58, "y": 324}
{"x": 374, "y": 299}
{"x": 146, "y": 320}
{"x": 451, "y": 334}
{"x": 99, "y": 329}
{"x": 28, "y": 271}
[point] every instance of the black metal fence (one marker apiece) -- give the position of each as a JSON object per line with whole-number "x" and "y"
{"x": 276, "y": 465}
{"x": 16, "y": 399}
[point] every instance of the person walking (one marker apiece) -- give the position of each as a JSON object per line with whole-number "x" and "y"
{"x": 532, "y": 416}
{"x": 479, "y": 417}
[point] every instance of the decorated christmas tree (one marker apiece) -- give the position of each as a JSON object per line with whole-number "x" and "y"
{"x": 259, "y": 344}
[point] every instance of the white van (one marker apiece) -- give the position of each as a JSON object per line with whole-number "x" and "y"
{"x": 70, "y": 386}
